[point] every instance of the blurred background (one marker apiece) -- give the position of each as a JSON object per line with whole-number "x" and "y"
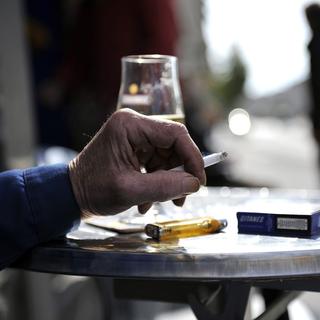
{"x": 250, "y": 77}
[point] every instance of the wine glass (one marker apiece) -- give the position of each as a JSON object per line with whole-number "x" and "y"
{"x": 150, "y": 85}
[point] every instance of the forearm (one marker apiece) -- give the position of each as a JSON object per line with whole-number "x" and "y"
{"x": 36, "y": 204}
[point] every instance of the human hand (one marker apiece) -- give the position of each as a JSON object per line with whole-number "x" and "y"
{"x": 106, "y": 176}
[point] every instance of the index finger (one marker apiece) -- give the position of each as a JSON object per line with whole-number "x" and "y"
{"x": 191, "y": 156}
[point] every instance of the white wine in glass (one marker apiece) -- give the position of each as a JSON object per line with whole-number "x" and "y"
{"x": 150, "y": 85}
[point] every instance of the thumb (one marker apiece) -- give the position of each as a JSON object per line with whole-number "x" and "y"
{"x": 166, "y": 185}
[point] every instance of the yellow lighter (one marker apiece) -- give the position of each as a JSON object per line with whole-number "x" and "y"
{"x": 184, "y": 228}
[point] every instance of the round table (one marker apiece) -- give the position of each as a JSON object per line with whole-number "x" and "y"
{"x": 226, "y": 257}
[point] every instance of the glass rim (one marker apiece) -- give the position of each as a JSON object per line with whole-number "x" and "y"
{"x": 149, "y": 58}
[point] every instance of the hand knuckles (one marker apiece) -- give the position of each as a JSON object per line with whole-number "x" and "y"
{"x": 180, "y": 129}
{"x": 119, "y": 117}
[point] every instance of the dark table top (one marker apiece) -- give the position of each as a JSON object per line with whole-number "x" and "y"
{"x": 225, "y": 255}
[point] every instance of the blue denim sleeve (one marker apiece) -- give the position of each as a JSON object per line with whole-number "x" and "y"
{"x": 36, "y": 205}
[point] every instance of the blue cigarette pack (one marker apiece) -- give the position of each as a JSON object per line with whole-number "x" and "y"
{"x": 301, "y": 225}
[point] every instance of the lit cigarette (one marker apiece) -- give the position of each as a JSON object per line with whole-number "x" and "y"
{"x": 209, "y": 160}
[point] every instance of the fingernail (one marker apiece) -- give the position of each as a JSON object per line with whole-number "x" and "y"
{"x": 143, "y": 208}
{"x": 179, "y": 202}
{"x": 204, "y": 180}
{"x": 190, "y": 185}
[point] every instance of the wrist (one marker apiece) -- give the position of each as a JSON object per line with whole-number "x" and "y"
{"x": 78, "y": 188}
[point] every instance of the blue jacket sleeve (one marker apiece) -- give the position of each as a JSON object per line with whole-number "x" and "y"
{"x": 36, "y": 205}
